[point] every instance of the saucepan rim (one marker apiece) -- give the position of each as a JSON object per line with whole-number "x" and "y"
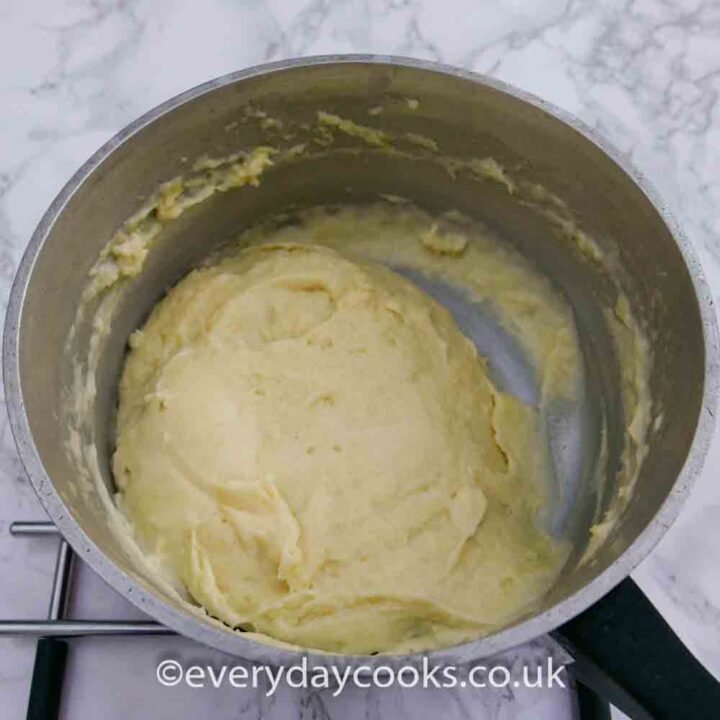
{"x": 239, "y": 644}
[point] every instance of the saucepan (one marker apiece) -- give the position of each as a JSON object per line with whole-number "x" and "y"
{"x": 621, "y": 645}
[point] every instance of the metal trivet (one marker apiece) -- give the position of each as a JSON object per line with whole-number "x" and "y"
{"x": 51, "y": 654}
{"x": 55, "y": 625}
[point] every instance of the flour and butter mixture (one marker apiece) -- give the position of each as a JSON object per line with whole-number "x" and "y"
{"x": 312, "y": 446}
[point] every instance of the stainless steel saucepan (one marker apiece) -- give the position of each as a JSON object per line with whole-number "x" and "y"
{"x": 593, "y": 608}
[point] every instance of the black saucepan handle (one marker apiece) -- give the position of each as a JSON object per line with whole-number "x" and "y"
{"x": 590, "y": 705}
{"x": 626, "y": 652}
{"x": 47, "y": 679}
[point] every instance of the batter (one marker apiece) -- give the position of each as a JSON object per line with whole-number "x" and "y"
{"x": 312, "y": 446}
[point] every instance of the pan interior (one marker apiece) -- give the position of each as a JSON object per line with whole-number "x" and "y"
{"x": 573, "y": 428}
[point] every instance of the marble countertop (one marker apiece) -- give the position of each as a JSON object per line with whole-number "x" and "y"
{"x": 646, "y": 73}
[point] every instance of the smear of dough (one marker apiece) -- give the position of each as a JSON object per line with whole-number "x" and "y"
{"x": 314, "y": 448}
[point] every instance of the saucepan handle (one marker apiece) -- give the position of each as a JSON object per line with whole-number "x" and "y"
{"x": 626, "y": 653}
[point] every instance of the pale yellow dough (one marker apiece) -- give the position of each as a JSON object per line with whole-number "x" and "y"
{"x": 315, "y": 450}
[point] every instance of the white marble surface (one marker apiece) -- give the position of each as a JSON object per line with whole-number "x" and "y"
{"x": 644, "y": 72}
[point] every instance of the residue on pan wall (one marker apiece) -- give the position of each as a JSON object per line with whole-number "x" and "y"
{"x": 124, "y": 255}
